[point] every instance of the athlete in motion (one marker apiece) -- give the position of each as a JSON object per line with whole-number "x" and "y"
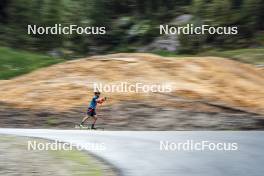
{"x": 91, "y": 111}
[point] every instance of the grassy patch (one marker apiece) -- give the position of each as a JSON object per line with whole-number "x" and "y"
{"x": 52, "y": 121}
{"x": 70, "y": 162}
{"x": 15, "y": 62}
{"x": 169, "y": 54}
{"x": 81, "y": 164}
{"x": 248, "y": 55}
{"x": 5, "y": 138}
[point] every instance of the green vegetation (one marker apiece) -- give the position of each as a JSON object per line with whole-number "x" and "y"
{"x": 131, "y": 25}
{"x": 249, "y": 55}
{"x": 82, "y": 163}
{"x": 16, "y": 62}
{"x": 128, "y": 23}
{"x": 70, "y": 162}
{"x": 171, "y": 54}
{"x": 51, "y": 121}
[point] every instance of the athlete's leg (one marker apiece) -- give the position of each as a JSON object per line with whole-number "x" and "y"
{"x": 94, "y": 118}
{"x": 84, "y": 119}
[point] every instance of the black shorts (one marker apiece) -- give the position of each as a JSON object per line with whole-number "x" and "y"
{"x": 91, "y": 112}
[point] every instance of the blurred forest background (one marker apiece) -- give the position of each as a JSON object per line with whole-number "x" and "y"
{"x": 132, "y": 25}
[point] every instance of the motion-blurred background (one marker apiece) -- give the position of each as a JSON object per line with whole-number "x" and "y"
{"x": 209, "y": 92}
{"x": 132, "y": 25}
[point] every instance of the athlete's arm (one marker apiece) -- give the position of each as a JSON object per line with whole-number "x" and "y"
{"x": 101, "y": 100}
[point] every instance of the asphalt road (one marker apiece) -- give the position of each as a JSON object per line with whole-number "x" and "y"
{"x": 138, "y": 153}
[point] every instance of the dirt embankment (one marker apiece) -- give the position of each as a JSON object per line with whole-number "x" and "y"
{"x": 231, "y": 91}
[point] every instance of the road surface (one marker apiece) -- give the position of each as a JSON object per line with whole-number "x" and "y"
{"x": 138, "y": 153}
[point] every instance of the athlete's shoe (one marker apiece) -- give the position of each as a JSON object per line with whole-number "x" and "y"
{"x": 81, "y": 126}
{"x": 92, "y": 127}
